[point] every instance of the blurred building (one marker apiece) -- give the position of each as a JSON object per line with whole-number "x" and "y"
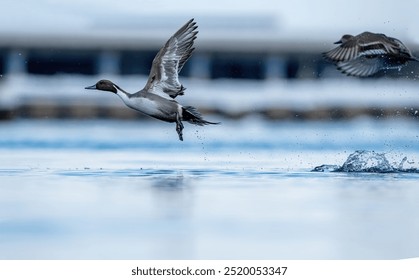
{"x": 255, "y": 45}
{"x": 216, "y": 57}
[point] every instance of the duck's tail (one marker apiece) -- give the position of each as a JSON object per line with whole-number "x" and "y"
{"x": 191, "y": 115}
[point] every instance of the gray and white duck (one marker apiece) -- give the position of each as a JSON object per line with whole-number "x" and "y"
{"x": 157, "y": 98}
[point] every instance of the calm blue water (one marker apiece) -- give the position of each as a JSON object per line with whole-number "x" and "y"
{"x": 241, "y": 190}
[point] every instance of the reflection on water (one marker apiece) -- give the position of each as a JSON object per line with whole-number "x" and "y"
{"x": 171, "y": 183}
{"x": 211, "y": 198}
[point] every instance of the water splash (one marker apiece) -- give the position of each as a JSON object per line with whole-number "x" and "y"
{"x": 369, "y": 162}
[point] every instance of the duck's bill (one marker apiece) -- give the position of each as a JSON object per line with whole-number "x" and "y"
{"x": 91, "y": 87}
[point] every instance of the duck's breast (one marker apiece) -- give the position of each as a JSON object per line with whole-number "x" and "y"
{"x": 155, "y": 106}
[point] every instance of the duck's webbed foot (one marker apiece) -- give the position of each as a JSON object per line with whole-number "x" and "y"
{"x": 173, "y": 93}
{"x": 179, "y": 127}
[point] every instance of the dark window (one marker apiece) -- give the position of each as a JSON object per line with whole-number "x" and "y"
{"x": 292, "y": 68}
{"x": 137, "y": 62}
{"x": 237, "y": 66}
{"x": 2, "y": 62}
{"x": 140, "y": 62}
{"x": 59, "y": 61}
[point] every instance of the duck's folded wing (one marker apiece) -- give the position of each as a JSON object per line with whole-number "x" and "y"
{"x": 170, "y": 59}
{"x": 376, "y": 48}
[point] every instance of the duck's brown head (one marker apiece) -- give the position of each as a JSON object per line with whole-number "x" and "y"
{"x": 104, "y": 85}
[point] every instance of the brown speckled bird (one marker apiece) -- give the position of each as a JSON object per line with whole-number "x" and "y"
{"x": 367, "y": 53}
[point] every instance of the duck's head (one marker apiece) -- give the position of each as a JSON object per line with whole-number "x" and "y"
{"x": 104, "y": 85}
{"x": 345, "y": 38}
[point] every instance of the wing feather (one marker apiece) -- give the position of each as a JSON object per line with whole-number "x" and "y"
{"x": 169, "y": 61}
{"x": 342, "y": 53}
{"x": 360, "y": 67}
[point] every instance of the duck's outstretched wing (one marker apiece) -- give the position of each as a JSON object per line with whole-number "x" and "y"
{"x": 170, "y": 60}
{"x": 344, "y": 52}
{"x": 361, "y": 66}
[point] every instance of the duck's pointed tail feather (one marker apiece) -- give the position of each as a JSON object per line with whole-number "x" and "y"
{"x": 191, "y": 115}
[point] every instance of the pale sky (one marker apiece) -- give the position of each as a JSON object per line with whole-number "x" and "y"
{"x": 297, "y": 18}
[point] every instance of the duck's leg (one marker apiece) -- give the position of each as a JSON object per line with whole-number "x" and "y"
{"x": 179, "y": 127}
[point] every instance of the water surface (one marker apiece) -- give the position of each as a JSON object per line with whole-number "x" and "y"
{"x": 242, "y": 190}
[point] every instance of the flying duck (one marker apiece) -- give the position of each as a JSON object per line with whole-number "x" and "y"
{"x": 157, "y": 98}
{"x": 367, "y": 53}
